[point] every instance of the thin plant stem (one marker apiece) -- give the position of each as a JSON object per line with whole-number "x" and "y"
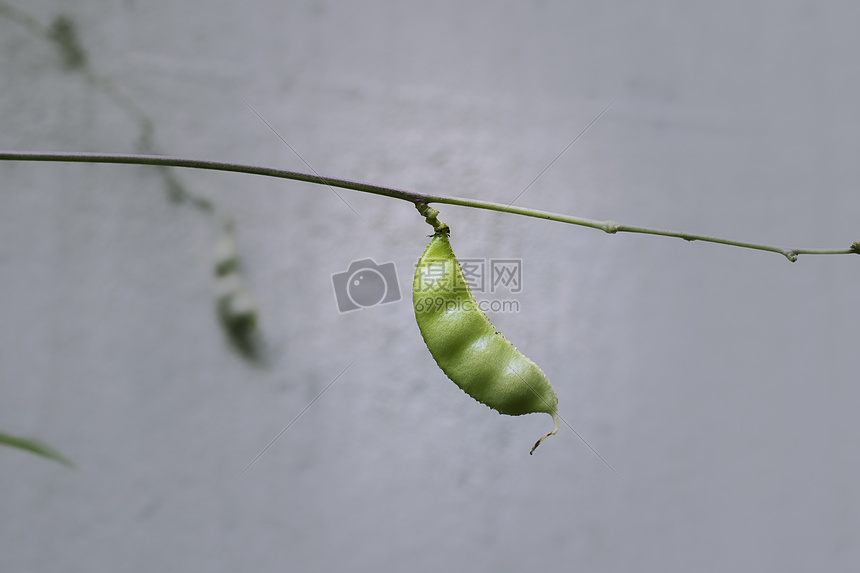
{"x": 416, "y": 198}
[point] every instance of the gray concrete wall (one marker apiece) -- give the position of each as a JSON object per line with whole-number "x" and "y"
{"x": 720, "y": 383}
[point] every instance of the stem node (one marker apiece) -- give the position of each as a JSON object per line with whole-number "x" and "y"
{"x": 611, "y": 227}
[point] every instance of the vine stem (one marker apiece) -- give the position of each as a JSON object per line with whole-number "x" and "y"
{"x": 610, "y": 227}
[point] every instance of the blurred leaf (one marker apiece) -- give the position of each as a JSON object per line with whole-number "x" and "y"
{"x": 64, "y": 32}
{"x": 35, "y": 447}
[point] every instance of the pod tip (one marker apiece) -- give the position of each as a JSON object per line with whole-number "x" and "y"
{"x": 548, "y": 434}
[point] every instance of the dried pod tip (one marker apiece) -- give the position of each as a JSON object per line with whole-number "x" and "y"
{"x": 548, "y": 434}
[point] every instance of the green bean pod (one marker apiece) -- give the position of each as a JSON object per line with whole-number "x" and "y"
{"x": 466, "y": 345}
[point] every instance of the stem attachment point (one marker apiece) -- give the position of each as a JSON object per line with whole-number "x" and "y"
{"x": 430, "y": 215}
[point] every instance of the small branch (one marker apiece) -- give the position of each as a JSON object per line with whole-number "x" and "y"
{"x": 610, "y": 227}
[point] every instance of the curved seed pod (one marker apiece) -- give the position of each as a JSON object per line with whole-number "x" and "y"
{"x": 226, "y": 254}
{"x": 227, "y": 250}
{"x": 236, "y": 306}
{"x": 465, "y": 344}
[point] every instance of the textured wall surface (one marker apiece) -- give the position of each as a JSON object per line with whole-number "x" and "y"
{"x": 721, "y": 383}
